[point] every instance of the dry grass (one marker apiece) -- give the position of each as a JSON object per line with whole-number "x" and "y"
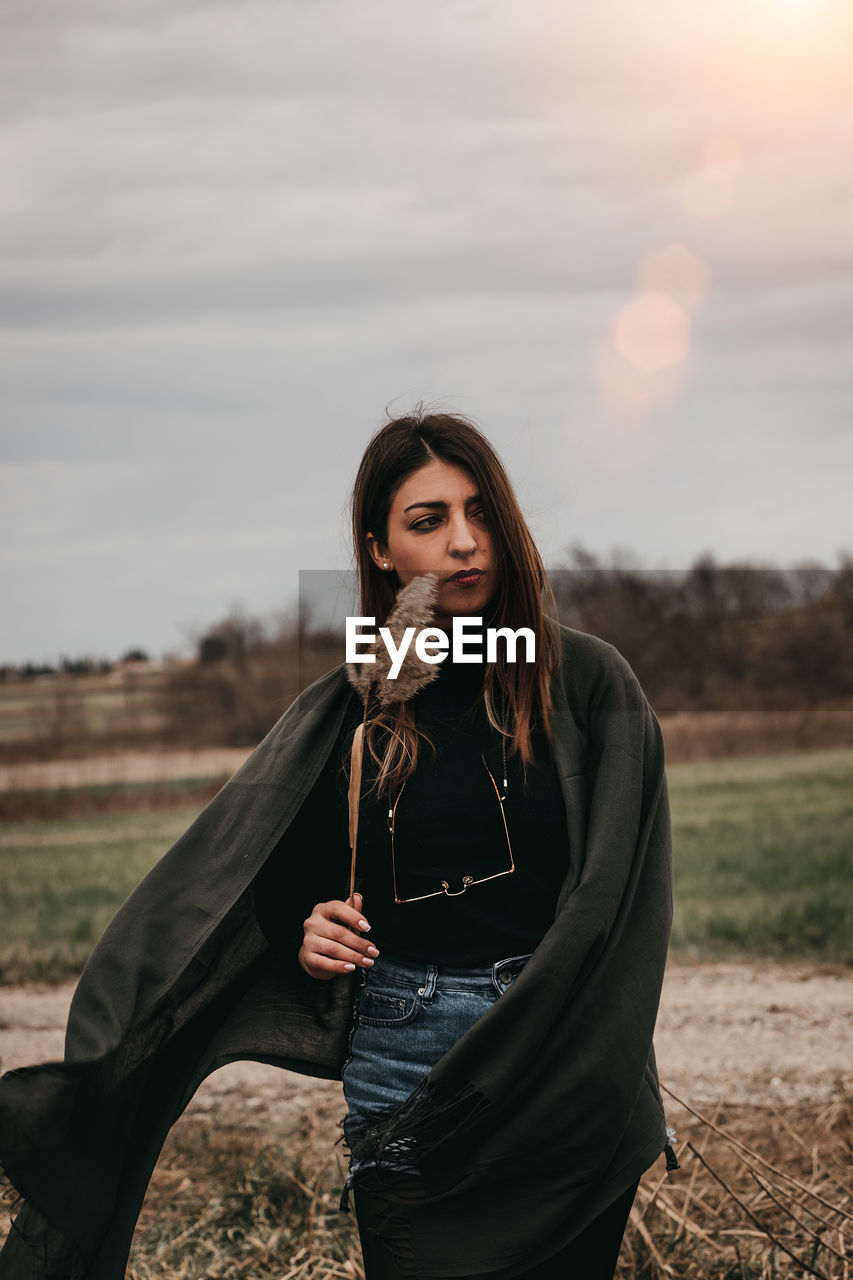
{"x": 717, "y": 735}
{"x": 231, "y": 1197}
{"x": 127, "y": 780}
{"x": 50, "y": 803}
{"x": 761, "y": 1195}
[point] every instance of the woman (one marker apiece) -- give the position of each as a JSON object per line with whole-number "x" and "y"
{"x": 488, "y": 996}
{"x": 464, "y": 902}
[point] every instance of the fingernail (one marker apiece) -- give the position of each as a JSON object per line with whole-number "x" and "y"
{"x": 372, "y": 951}
{"x": 366, "y": 961}
{"x": 349, "y": 966}
{"x": 363, "y": 925}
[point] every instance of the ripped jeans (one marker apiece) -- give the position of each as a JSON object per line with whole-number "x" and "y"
{"x": 407, "y": 1015}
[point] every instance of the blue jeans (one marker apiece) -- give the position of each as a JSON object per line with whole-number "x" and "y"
{"x": 407, "y": 1016}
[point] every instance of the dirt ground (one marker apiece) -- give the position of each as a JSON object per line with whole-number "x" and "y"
{"x": 750, "y": 1033}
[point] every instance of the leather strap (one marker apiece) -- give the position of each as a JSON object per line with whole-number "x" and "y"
{"x": 353, "y": 798}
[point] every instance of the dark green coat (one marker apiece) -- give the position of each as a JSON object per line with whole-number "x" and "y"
{"x": 543, "y": 1113}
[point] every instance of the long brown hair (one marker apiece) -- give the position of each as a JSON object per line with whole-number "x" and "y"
{"x": 398, "y": 449}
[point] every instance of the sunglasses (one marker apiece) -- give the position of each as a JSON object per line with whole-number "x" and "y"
{"x": 467, "y": 880}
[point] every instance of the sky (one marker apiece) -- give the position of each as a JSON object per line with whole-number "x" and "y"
{"x": 234, "y": 234}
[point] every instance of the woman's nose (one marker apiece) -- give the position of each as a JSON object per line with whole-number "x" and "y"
{"x": 461, "y": 537}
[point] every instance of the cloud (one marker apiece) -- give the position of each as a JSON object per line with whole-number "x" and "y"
{"x": 231, "y": 233}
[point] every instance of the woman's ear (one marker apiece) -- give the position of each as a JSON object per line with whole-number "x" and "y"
{"x": 378, "y": 552}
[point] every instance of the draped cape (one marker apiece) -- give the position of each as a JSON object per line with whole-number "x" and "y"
{"x": 544, "y": 1112}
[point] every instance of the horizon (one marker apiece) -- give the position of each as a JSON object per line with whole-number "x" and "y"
{"x": 324, "y": 595}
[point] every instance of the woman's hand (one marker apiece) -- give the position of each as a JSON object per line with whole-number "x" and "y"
{"x": 332, "y": 944}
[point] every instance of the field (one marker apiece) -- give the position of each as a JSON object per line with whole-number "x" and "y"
{"x": 65, "y": 879}
{"x": 111, "y": 701}
{"x": 762, "y": 865}
{"x": 229, "y": 1200}
{"x": 764, "y": 857}
{"x": 754, "y": 1041}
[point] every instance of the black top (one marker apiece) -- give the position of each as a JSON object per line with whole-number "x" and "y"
{"x": 448, "y": 824}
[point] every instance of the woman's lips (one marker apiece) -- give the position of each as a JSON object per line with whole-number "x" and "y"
{"x": 467, "y": 577}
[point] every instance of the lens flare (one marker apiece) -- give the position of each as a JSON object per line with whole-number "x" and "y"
{"x": 795, "y": 11}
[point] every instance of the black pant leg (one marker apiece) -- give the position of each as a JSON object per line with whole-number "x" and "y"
{"x": 594, "y": 1253}
{"x": 387, "y": 1250}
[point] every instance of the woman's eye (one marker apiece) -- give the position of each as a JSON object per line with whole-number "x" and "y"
{"x": 423, "y": 524}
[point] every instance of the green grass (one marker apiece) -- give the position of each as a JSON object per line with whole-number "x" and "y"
{"x": 763, "y": 862}
{"x": 64, "y": 880}
{"x": 764, "y": 857}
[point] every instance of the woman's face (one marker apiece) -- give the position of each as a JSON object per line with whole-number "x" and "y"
{"x": 436, "y": 523}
